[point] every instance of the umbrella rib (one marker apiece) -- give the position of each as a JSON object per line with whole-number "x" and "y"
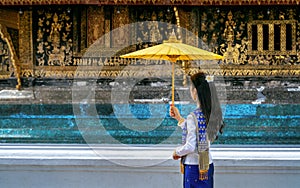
{"x": 170, "y": 50}
{"x": 186, "y": 49}
{"x": 208, "y": 55}
{"x": 188, "y": 55}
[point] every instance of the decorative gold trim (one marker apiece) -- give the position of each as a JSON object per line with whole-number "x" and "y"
{"x": 149, "y": 2}
{"x": 283, "y": 37}
{"x": 14, "y": 60}
{"x": 25, "y": 41}
{"x": 250, "y": 71}
{"x": 271, "y": 37}
{"x": 271, "y": 50}
{"x": 111, "y": 71}
{"x": 259, "y": 38}
{"x": 255, "y": 66}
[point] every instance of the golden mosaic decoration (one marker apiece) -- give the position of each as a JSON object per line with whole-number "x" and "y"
{"x": 147, "y": 2}
{"x": 270, "y": 24}
{"x": 224, "y": 30}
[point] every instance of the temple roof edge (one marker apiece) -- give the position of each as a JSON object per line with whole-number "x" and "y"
{"x": 149, "y": 2}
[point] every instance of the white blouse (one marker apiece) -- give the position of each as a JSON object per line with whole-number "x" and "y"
{"x": 189, "y": 148}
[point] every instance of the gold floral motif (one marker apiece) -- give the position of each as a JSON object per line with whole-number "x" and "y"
{"x": 54, "y": 37}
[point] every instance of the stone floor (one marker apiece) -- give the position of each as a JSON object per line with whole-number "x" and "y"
{"x": 48, "y": 166}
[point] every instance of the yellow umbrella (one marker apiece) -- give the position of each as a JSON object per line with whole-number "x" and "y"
{"x": 173, "y": 50}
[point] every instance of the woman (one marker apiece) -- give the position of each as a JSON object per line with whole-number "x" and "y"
{"x": 200, "y": 129}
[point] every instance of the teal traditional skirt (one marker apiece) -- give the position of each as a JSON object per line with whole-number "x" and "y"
{"x": 191, "y": 177}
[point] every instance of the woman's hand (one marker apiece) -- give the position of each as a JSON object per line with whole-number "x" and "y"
{"x": 175, "y": 156}
{"x": 174, "y": 113}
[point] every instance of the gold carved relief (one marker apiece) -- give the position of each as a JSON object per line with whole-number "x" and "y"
{"x": 25, "y": 44}
{"x": 53, "y": 38}
{"x": 8, "y": 58}
{"x": 189, "y": 20}
{"x": 248, "y": 37}
{"x": 96, "y": 23}
{"x": 223, "y": 31}
{"x": 5, "y": 57}
{"x": 252, "y": 71}
{"x": 113, "y": 67}
{"x": 281, "y": 34}
{"x": 230, "y": 50}
{"x": 120, "y": 33}
{"x": 149, "y": 28}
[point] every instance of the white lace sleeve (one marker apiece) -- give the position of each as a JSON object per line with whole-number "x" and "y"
{"x": 190, "y": 145}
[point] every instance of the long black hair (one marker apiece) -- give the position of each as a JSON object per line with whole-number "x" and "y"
{"x": 209, "y": 104}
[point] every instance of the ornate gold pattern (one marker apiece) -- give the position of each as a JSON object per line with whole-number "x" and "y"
{"x": 260, "y": 38}
{"x": 231, "y": 53}
{"x": 254, "y": 71}
{"x": 25, "y": 44}
{"x": 145, "y": 2}
{"x": 111, "y": 68}
{"x": 222, "y": 30}
{"x": 120, "y": 18}
{"x": 149, "y": 31}
{"x": 271, "y": 38}
{"x": 9, "y": 57}
{"x": 4, "y": 56}
{"x": 53, "y": 39}
{"x": 96, "y": 23}
{"x": 272, "y": 51}
{"x": 236, "y": 71}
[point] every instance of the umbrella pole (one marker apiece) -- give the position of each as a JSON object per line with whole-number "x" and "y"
{"x": 173, "y": 83}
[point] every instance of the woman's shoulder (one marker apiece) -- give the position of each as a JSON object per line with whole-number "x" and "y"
{"x": 196, "y": 111}
{"x": 191, "y": 120}
{"x": 190, "y": 115}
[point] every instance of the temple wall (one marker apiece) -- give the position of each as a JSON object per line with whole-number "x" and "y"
{"x": 51, "y": 42}
{"x": 56, "y": 43}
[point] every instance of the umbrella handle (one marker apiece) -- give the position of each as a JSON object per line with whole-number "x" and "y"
{"x": 173, "y": 83}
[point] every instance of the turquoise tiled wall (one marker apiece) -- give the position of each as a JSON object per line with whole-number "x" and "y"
{"x": 63, "y": 123}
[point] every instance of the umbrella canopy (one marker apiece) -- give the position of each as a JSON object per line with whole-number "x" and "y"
{"x": 173, "y": 50}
